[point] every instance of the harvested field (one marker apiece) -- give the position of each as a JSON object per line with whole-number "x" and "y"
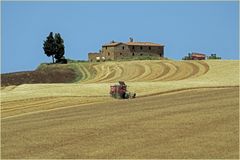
{"x": 193, "y": 124}
{"x": 154, "y": 70}
{"x": 183, "y": 109}
{"x": 25, "y": 106}
{"x": 143, "y": 77}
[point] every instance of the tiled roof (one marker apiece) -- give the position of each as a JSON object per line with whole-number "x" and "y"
{"x": 133, "y": 44}
{"x": 143, "y": 44}
{"x": 198, "y": 54}
{"x": 112, "y": 44}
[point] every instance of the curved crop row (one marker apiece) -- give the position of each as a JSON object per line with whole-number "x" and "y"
{"x": 137, "y": 71}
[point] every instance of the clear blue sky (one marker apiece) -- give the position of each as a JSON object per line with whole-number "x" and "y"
{"x": 208, "y": 27}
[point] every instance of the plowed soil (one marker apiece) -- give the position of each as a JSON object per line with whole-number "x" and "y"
{"x": 50, "y": 75}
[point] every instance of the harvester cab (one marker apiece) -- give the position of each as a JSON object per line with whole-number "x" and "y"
{"x": 120, "y": 91}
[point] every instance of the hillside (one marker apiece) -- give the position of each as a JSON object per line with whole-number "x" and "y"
{"x": 183, "y": 109}
{"x": 43, "y": 74}
{"x": 143, "y": 77}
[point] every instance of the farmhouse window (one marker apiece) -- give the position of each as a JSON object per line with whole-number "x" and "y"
{"x": 141, "y": 47}
{"x": 106, "y": 47}
{"x": 133, "y": 54}
{"x": 149, "y": 48}
{"x": 123, "y": 47}
{"x": 132, "y": 47}
{"x": 108, "y": 54}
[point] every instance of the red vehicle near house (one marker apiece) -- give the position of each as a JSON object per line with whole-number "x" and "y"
{"x": 195, "y": 56}
{"x": 198, "y": 56}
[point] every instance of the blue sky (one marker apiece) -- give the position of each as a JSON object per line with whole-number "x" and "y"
{"x": 208, "y": 27}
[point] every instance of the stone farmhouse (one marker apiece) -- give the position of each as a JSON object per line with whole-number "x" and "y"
{"x": 119, "y": 50}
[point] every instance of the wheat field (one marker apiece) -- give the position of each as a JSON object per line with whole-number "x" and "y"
{"x": 183, "y": 109}
{"x": 156, "y": 75}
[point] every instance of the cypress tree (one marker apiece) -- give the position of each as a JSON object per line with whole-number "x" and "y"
{"x": 54, "y": 46}
{"x": 59, "y": 51}
{"x": 49, "y": 46}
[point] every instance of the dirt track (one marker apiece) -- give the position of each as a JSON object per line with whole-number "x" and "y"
{"x": 191, "y": 124}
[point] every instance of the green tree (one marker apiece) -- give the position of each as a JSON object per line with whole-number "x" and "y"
{"x": 49, "y": 46}
{"x": 59, "y": 50}
{"x": 54, "y": 46}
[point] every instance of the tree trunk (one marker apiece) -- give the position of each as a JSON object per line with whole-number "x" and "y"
{"x": 52, "y": 58}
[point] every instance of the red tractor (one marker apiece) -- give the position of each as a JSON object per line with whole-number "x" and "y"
{"x": 119, "y": 91}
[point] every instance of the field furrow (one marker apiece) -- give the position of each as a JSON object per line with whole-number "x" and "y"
{"x": 172, "y": 71}
{"x": 154, "y": 71}
{"x": 87, "y": 73}
{"x": 135, "y": 71}
{"x": 118, "y": 72}
{"x": 161, "y": 71}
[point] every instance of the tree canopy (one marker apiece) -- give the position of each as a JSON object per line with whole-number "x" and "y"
{"x": 54, "y": 46}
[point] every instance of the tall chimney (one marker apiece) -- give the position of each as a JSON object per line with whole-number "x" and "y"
{"x": 130, "y": 39}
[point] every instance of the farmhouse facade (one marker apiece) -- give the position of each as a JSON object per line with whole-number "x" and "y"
{"x": 119, "y": 50}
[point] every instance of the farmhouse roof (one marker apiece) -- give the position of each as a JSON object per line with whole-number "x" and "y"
{"x": 112, "y": 44}
{"x": 93, "y": 53}
{"x": 133, "y": 44}
{"x": 198, "y": 54}
{"x": 143, "y": 44}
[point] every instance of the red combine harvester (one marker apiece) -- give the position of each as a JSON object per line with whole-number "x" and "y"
{"x": 119, "y": 91}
